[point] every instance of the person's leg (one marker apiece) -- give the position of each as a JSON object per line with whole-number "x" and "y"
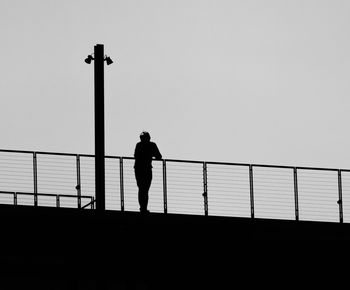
{"x": 139, "y": 181}
{"x": 143, "y": 197}
{"x": 147, "y": 185}
{"x": 143, "y": 179}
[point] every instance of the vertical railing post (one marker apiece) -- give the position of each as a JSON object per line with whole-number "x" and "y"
{"x": 57, "y": 200}
{"x": 205, "y": 188}
{"x": 121, "y": 182}
{"x": 15, "y": 198}
{"x": 296, "y": 195}
{"x": 35, "y": 178}
{"x": 340, "y": 198}
{"x": 251, "y": 186}
{"x": 78, "y": 187}
{"x": 165, "y": 191}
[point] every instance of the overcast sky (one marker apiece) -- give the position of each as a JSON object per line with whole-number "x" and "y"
{"x": 239, "y": 81}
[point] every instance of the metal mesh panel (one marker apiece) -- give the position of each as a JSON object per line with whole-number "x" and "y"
{"x": 112, "y": 183}
{"x": 112, "y": 180}
{"x": 155, "y": 203}
{"x": 185, "y": 188}
{"x": 228, "y": 190}
{"x": 70, "y": 202}
{"x": 16, "y": 174}
{"x": 130, "y": 187}
{"x": 273, "y": 193}
{"x": 25, "y": 199}
{"x": 87, "y": 177}
{"x": 47, "y": 200}
{"x": 318, "y": 195}
{"x": 7, "y": 198}
{"x": 57, "y": 174}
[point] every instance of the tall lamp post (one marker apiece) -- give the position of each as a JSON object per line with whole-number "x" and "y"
{"x": 99, "y": 58}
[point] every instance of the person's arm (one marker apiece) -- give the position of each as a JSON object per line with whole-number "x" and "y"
{"x": 156, "y": 153}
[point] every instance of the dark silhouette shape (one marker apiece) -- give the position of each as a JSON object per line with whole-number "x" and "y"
{"x": 145, "y": 151}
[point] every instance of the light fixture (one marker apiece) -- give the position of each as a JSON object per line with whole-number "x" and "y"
{"x": 108, "y": 60}
{"x": 89, "y": 59}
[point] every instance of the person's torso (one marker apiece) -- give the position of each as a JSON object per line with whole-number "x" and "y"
{"x": 144, "y": 154}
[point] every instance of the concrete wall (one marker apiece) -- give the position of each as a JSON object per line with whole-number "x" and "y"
{"x": 83, "y": 249}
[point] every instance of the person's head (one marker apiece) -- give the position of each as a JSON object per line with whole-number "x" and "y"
{"x": 145, "y": 136}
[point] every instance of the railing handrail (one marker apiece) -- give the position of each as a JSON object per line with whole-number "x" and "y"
{"x": 183, "y": 160}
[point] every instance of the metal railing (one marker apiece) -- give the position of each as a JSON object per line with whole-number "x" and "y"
{"x": 178, "y": 186}
{"x": 53, "y": 198}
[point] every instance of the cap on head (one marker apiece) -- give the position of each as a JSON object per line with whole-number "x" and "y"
{"x": 145, "y": 136}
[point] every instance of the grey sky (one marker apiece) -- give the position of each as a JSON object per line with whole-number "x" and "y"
{"x": 238, "y": 81}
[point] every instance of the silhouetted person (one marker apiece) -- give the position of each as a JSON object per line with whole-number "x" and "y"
{"x": 145, "y": 151}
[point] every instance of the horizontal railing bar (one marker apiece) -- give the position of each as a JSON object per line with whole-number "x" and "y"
{"x": 43, "y": 194}
{"x": 28, "y": 193}
{"x": 16, "y": 151}
{"x": 227, "y": 163}
{"x": 247, "y": 164}
{"x": 317, "y": 168}
{"x": 113, "y": 157}
{"x": 273, "y": 166}
{"x": 7, "y": 192}
{"x": 126, "y": 157}
{"x": 87, "y": 155}
{"x": 55, "y": 153}
{"x": 183, "y": 161}
{"x": 298, "y": 167}
{"x": 75, "y": 196}
{"x": 180, "y": 160}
